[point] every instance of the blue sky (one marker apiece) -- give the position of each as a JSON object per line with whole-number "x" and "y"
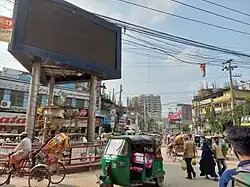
{"x": 173, "y": 80}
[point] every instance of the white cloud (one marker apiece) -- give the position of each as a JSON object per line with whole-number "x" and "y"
{"x": 144, "y": 16}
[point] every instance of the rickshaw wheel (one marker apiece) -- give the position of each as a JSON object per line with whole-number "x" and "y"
{"x": 39, "y": 173}
{"x": 61, "y": 170}
{"x": 159, "y": 181}
{"x": 107, "y": 185}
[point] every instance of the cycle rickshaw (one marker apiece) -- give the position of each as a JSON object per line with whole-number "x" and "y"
{"x": 48, "y": 164}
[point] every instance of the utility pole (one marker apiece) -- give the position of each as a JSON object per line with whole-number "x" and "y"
{"x": 199, "y": 112}
{"x": 119, "y": 107}
{"x": 228, "y": 66}
{"x": 120, "y": 96}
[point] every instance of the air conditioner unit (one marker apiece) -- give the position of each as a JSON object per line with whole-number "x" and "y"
{"x": 5, "y": 104}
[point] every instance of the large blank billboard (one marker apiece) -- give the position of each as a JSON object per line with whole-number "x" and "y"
{"x": 58, "y": 31}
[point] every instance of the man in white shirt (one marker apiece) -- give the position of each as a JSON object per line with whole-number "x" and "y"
{"x": 21, "y": 151}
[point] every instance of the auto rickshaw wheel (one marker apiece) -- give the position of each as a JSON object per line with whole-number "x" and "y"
{"x": 107, "y": 185}
{"x": 159, "y": 181}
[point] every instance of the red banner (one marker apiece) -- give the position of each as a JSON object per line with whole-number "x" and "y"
{"x": 175, "y": 116}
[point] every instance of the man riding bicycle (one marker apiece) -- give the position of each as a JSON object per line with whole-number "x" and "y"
{"x": 21, "y": 151}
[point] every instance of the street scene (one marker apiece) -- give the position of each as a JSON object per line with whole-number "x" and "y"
{"x": 124, "y": 93}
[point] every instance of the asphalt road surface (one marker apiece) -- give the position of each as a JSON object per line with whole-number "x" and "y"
{"x": 175, "y": 177}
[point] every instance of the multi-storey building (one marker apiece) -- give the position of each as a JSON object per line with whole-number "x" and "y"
{"x": 14, "y": 93}
{"x": 220, "y": 98}
{"x": 152, "y": 105}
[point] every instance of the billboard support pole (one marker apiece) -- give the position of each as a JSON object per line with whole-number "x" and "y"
{"x": 47, "y": 116}
{"x": 32, "y": 102}
{"x": 92, "y": 110}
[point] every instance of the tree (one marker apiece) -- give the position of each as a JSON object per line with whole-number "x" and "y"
{"x": 224, "y": 122}
{"x": 239, "y": 113}
{"x": 246, "y": 110}
{"x": 185, "y": 128}
{"x": 211, "y": 115}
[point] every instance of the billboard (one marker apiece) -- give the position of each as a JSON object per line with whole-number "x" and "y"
{"x": 65, "y": 35}
{"x": 6, "y": 27}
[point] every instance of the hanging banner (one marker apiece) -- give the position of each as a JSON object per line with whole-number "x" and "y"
{"x": 6, "y": 27}
{"x": 203, "y": 69}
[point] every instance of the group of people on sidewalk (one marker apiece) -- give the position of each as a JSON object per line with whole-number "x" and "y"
{"x": 213, "y": 155}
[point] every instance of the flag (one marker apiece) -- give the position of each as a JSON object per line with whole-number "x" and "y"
{"x": 203, "y": 69}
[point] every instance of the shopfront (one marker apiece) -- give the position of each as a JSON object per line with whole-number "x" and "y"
{"x": 13, "y": 123}
{"x": 107, "y": 125}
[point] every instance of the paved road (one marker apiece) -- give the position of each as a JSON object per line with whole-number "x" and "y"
{"x": 174, "y": 178}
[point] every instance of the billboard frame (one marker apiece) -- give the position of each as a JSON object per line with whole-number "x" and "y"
{"x": 22, "y": 52}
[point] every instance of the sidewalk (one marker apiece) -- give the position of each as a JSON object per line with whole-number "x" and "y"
{"x": 87, "y": 179}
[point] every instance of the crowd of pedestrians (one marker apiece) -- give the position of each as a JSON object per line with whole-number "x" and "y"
{"x": 214, "y": 155}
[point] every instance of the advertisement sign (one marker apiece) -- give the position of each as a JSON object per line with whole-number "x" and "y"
{"x": 15, "y": 119}
{"x": 39, "y": 34}
{"x": 6, "y": 27}
{"x": 24, "y": 86}
{"x": 107, "y": 121}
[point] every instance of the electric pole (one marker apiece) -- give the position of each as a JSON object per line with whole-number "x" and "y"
{"x": 120, "y": 96}
{"x": 229, "y": 67}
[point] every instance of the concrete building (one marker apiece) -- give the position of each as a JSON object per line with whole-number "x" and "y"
{"x": 221, "y": 100}
{"x": 14, "y": 91}
{"x": 152, "y": 105}
{"x": 186, "y": 118}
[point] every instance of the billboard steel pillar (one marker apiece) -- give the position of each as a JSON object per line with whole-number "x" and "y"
{"x": 47, "y": 116}
{"x": 92, "y": 109}
{"x": 33, "y": 97}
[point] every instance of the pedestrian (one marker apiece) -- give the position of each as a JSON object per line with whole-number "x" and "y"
{"x": 189, "y": 154}
{"x": 239, "y": 137}
{"x": 207, "y": 163}
{"x": 219, "y": 156}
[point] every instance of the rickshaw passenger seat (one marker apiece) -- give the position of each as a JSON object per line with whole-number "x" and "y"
{"x": 136, "y": 169}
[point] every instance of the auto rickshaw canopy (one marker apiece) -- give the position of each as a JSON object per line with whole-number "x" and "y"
{"x": 139, "y": 139}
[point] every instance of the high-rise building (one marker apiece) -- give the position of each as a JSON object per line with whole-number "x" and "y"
{"x": 152, "y": 105}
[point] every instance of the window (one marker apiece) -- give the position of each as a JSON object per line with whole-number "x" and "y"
{"x": 1, "y": 94}
{"x": 55, "y": 99}
{"x": 86, "y": 104}
{"x": 68, "y": 102}
{"x": 43, "y": 101}
{"x": 17, "y": 98}
{"x": 79, "y": 104}
{"x": 7, "y": 94}
{"x": 25, "y": 101}
{"x": 116, "y": 147}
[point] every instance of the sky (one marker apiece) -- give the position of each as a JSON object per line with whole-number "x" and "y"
{"x": 175, "y": 81}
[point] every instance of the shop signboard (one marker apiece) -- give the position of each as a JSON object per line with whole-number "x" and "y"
{"x": 107, "y": 121}
{"x": 14, "y": 119}
{"x": 6, "y": 27}
{"x": 24, "y": 87}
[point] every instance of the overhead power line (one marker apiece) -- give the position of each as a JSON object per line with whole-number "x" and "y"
{"x": 185, "y": 18}
{"x": 225, "y": 7}
{"x": 210, "y": 12}
{"x": 5, "y": 7}
{"x": 166, "y": 36}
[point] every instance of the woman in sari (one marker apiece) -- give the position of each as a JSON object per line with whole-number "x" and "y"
{"x": 207, "y": 163}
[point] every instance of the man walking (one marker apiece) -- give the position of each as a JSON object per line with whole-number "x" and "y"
{"x": 189, "y": 154}
{"x": 219, "y": 156}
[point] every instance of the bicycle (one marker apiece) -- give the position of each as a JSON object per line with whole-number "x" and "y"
{"x": 39, "y": 172}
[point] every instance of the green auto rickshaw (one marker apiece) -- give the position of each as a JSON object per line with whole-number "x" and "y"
{"x": 132, "y": 160}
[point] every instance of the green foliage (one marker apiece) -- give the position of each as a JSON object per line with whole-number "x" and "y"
{"x": 185, "y": 128}
{"x": 246, "y": 109}
{"x": 238, "y": 113}
{"x": 211, "y": 116}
